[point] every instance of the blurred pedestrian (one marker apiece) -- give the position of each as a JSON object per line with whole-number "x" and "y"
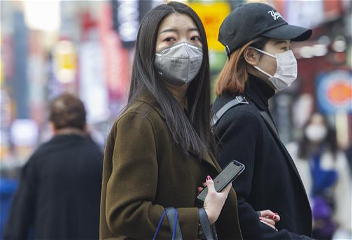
{"x": 260, "y": 63}
{"x": 59, "y": 190}
{"x": 326, "y": 176}
{"x": 159, "y": 152}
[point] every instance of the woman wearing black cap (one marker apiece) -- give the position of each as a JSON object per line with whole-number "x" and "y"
{"x": 260, "y": 63}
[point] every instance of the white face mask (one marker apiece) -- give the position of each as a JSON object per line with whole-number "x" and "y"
{"x": 286, "y": 69}
{"x": 316, "y": 132}
{"x": 179, "y": 64}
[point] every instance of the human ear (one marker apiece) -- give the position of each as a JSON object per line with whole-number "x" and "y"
{"x": 251, "y": 56}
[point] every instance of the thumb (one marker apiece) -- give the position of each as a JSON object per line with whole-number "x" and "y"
{"x": 210, "y": 184}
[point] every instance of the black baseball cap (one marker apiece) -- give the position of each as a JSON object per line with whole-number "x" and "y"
{"x": 249, "y": 21}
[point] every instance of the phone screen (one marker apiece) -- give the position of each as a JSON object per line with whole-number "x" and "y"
{"x": 227, "y": 175}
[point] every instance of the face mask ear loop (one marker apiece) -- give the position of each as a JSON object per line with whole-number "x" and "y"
{"x": 258, "y": 68}
{"x": 262, "y": 71}
{"x": 266, "y": 53}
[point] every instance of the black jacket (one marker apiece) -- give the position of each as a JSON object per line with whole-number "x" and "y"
{"x": 270, "y": 180}
{"x": 59, "y": 192}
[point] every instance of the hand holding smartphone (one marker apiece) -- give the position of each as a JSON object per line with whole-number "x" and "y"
{"x": 226, "y": 176}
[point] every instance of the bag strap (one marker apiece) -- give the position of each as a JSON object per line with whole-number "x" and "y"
{"x": 241, "y": 100}
{"x": 226, "y": 107}
{"x": 206, "y": 227}
{"x": 268, "y": 119}
{"x": 159, "y": 225}
{"x": 172, "y": 216}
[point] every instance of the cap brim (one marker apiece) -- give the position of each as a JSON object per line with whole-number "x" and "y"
{"x": 289, "y": 32}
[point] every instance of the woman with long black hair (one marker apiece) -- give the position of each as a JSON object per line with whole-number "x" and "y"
{"x": 159, "y": 150}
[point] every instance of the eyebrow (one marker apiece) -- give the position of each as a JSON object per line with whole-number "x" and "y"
{"x": 280, "y": 42}
{"x": 175, "y": 30}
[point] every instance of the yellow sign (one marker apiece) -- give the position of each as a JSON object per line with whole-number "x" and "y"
{"x": 65, "y": 61}
{"x": 212, "y": 15}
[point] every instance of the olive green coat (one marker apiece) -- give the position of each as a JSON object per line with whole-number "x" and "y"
{"x": 145, "y": 171}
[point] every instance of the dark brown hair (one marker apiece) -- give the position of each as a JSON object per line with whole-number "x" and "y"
{"x": 67, "y": 111}
{"x": 234, "y": 75}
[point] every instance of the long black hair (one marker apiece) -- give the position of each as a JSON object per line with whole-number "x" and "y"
{"x": 192, "y": 133}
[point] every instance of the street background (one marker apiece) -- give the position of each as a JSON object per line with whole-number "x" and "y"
{"x": 86, "y": 48}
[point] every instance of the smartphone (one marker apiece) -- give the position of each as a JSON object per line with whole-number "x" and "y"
{"x": 226, "y": 176}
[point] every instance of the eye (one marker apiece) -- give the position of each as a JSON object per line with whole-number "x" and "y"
{"x": 285, "y": 49}
{"x": 169, "y": 39}
{"x": 195, "y": 38}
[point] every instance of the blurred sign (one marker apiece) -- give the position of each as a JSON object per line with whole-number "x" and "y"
{"x": 334, "y": 91}
{"x": 300, "y": 12}
{"x": 65, "y": 61}
{"x": 116, "y": 63}
{"x": 54, "y": 87}
{"x": 7, "y": 57}
{"x": 20, "y": 55}
{"x": 92, "y": 82}
{"x": 0, "y": 71}
{"x": 126, "y": 16}
{"x": 212, "y": 15}
{"x": 42, "y": 15}
{"x": 24, "y": 132}
{"x": 5, "y": 120}
{"x": 24, "y": 135}
{"x": 0, "y": 62}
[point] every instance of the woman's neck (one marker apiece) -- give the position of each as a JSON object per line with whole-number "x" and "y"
{"x": 179, "y": 93}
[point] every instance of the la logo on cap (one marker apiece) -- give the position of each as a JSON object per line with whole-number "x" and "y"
{"x": 275, "y": 15}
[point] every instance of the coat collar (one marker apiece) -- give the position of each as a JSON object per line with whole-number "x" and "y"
{"x": 149, "y": 99}
{"x": 209, "y": 159}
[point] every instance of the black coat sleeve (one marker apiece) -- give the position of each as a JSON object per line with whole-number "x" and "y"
{"x": 21, "y": 216}
{"x": 239, "y": 134}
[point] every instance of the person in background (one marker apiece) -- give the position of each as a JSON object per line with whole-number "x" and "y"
{"x": 59, "y": 190}
{"x": 260, "y": 63}
{"x": 326, "y": 176}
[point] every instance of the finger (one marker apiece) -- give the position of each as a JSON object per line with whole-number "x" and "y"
{"x": 268, "y": 225}
{"x": 270, "y": 214}
{"x": 267, "y": 213}
{"x": 199, "y": 189}
{"x": 204, "y": 184}
{"x": 267, "y": 220}
{"x": 276, "y": 217}
{"x": 210, "y": 185}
